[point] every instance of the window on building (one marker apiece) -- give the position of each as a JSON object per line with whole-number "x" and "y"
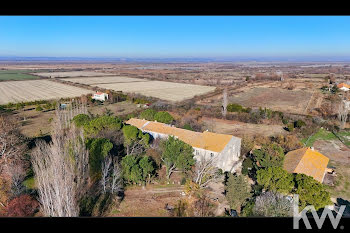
{"x": 197, "y": 152}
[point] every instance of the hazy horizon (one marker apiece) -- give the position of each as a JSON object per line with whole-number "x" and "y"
{"x": 164, "y": 37}
{"x": 323, "y": 59}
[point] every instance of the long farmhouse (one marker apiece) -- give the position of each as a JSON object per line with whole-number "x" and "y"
{"x": 224, "y": 149}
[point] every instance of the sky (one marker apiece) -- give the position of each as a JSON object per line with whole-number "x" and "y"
{"x": 174, "y": 36}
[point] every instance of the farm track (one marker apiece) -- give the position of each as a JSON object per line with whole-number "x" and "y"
{"x": 314, "y": 102}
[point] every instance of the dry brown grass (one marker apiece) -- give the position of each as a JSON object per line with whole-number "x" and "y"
{"x": 103, "y": 80}
{"x": 72, "y": 74}
{"x": 278, "y": 99}
{"x": 148, "y": 202}
{"x": 240, "y": 129}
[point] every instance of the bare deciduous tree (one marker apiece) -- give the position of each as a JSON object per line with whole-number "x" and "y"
{"x": 206, "y": 171}
{"x": 106, "y": 168}
{"x": 224, "y": 103}
{"x": 203, "y": 207}
{"x": 117, "y": 181}
{"x": 17, "y": 173}
{"x": 111, "y": 180}
{"x": 343, "y": 111}
{"x": 271, "y": 204}
{"x": 61, "y": 169}
{"x": 11, "y": 146}
{"x": 64, "y": 116}
{"x": 280, "y": 75}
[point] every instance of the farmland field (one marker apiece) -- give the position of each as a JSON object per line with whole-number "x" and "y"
{"x": 73, "y": 74}
{"x": 163, "y": 90}
{"x": 6, "y": 75}
{"x": 103, "y": 80}
{"x": 159, "y": 89}
{"x": 294, "y": 101}
{"x": 18, "y": 91}
{"x": 240, "y": 129}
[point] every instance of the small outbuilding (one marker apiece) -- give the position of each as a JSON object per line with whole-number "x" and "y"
{"x": 343, "y": 86}
{"x": 100, "y": 96}
{"x": 307, "y": 161}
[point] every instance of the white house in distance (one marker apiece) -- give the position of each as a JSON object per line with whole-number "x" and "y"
{"x": 224, "y": 149}
{"x": 100, "y": 96}
{"x": 344, "y": 86}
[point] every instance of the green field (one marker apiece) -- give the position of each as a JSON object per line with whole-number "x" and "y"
{"x": 323, "y": 134}
{"x": 6, "y": 75}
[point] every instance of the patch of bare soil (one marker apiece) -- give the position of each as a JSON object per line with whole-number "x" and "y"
{"x": 339, "y": 156}
{"x": 334, "y": 150}
{"x": 119, "y": 108}
{"x": 293, "y": 101}
{"x": 240, "y": 129}
{"x": 34, "y": 123}
{"x": 216, "y": 193}
{"x": 148, "y": 201}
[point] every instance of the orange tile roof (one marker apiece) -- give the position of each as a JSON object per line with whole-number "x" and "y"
{"x": 307, "y": 161}
{"x": 340, "y": 85}
{"x": 206, "y": 140}
{"x": 136, "y": 122}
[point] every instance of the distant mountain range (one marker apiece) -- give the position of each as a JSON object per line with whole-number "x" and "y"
{"x": 177, "y": 59}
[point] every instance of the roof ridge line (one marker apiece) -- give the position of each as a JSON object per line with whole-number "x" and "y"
{"x": 307, "y": 148}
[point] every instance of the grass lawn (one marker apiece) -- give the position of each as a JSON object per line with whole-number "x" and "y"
{"x": 345, "y": 136}
{"x": 322, "y": 134}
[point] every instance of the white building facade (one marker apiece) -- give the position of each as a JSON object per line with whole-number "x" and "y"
{"x": 224, "y": 150}
{"x": 100, "y": 96}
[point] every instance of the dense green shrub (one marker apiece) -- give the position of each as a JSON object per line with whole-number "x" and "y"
{"x": 247, "y": 165}
{"x": 38, "y": 108}
{"x": 290, "y": 127}
{"x": 247, "y": 210}
{"x": 311, "y": 192}
{"x": 81, "y": 120}
{"x": 188, "y": 127}
{"x": 140, "y": 101}
{"x": 136, "y": 169}
{"x": 20, "y": 105}
{"x": 133, "y": 137}
{"x": 98, "y": 150}
{"x": 275, "y": 179}
{"x": 270, "y": 155}
{"x": 238, "y": 190}
{"x": 177, "y": 154}
{"x": 284, "y": 121}
{"x": 128, "y": 162}
{"x": 98, "y": 124}
{"x": 148, "y": 114}
{"x": 163, "y": 117}
{"x": 234, "y": 108}
{"x": 299, "y": 124}
{"x": 147, "y": 166}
